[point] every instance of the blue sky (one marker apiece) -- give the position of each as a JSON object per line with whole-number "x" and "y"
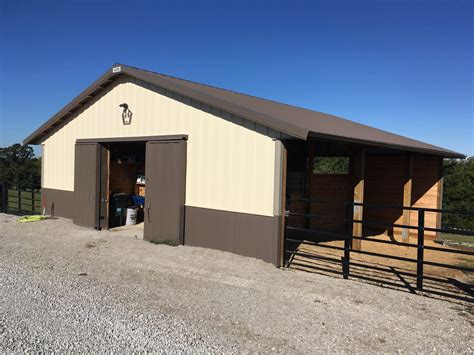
{"x": 403, "y": 66}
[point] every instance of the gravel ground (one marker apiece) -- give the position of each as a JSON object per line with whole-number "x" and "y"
{"x": 64, "y": 288}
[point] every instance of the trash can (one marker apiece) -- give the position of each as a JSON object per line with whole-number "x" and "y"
{"x": 131, "y": 216}
{"x": 138, "y": 200}
{"x": 118, "y": 208}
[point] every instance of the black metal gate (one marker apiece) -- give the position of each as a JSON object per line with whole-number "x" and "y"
{"x": 299, "y": 231}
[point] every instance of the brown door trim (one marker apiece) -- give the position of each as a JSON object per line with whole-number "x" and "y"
{"x": 173, "y": 137}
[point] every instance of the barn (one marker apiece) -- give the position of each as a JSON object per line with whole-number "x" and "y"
{"x": 213, "y": 168}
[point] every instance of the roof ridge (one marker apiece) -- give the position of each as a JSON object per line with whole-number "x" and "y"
{"x": 269, "y": 100}
{"x": 231, "y": 91}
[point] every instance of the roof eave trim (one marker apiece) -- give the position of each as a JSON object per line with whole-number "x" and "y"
{"x": 35, "y": 137}
{"x": 442, "y": 153}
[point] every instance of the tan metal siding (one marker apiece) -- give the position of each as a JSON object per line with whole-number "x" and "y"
{"x": 231, "y": 161}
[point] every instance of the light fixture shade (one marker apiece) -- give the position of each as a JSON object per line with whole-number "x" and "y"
{"x": 127, "y": 117}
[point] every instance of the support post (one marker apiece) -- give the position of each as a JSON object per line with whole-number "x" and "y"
{"x": 439, "y": 200}
{"x": 309, "y": 177}
{"x": 3, "y": 202}
{"x": 421, "y": 241}
{"x": 346, "y": 261}
{"x": 283, "y": 214}
{"x": 358, "y": 214}
{"x": 407, "y": 191}
{"x": 286, "y": 259}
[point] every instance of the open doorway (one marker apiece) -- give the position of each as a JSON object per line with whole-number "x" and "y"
{"x": 109, "y": 181}
{"x": 126, "y": 185}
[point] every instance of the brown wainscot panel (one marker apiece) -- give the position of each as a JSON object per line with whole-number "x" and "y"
{"x": 63, "y": 202}
{"x": 240, "y": 233}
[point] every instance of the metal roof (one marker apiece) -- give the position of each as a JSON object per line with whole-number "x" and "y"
{"x": 294, "y": 121}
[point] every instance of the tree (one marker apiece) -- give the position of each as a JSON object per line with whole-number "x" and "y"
{"x": 458, "y": 192}
{"x": 331, "y": 165}
{"x": 19, "y": 167}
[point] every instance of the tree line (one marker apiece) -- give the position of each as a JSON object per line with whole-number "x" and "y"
{"x": 19, "y": 167}
{"x": 458, "y": 192}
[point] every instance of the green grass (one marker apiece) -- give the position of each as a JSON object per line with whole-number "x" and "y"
{"x": 172, "y": 243}
{"x": 467, "y": 239}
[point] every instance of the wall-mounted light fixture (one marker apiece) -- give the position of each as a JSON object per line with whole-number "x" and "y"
{"x": 126, "y": 114}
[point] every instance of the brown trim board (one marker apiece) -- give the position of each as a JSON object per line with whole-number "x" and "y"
{"x": 240, "y": 233}
{"x": 174, "y": 137}
{"x": 63, "y": 202}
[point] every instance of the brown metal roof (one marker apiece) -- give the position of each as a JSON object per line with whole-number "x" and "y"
{"x": 294, "y": 121}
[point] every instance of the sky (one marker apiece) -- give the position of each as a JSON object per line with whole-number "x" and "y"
{"x": 402, "y": 66}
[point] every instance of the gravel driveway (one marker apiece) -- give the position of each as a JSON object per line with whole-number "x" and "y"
{"x": 67, "y": 288}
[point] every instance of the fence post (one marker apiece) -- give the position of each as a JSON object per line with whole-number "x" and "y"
{"x": 19, "y": 198}
{"x": 285, "y": 243}
{"x": 347, "y": 242}
{"x": 32, "y": 201}
{"x": 421, "y": 241}
{"x": 3, "y": 198}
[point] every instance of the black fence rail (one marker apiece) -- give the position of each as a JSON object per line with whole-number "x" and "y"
{"x": 23, "y": 201}
{"x": 314, "y": 236}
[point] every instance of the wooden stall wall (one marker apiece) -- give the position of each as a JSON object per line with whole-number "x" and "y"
{"x": 427, "y": 189}
{"x": 385, "y": 178}
{"x": 384, "y": 181}
{"x": 336, "y": 188}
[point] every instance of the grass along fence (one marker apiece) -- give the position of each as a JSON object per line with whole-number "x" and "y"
{"x": 23, "y": 201}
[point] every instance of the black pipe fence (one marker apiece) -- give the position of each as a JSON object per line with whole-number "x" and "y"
{"x": 22, "y": 201}
{"x": 320, "y": 236}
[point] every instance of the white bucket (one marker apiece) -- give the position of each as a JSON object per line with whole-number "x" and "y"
{"x": 131, "y": 216}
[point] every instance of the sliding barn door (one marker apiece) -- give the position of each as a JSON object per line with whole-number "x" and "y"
{"x": 165, "y": 172}
{"x": 89, "y": 208}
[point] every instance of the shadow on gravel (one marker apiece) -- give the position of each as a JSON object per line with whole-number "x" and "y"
{"x": 380, "y": 273}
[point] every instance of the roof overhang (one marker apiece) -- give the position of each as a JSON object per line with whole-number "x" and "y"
{"x": 284, "y": 126}
{"x": 71, "y": 108}
{"x": 445, "y": 153}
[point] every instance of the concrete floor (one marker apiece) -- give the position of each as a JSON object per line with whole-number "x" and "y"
{"x": 135, "y": 231}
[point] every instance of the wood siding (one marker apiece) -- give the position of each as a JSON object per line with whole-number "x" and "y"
{"x": 426, "y": 189}
{"x": 385, "y": 180}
